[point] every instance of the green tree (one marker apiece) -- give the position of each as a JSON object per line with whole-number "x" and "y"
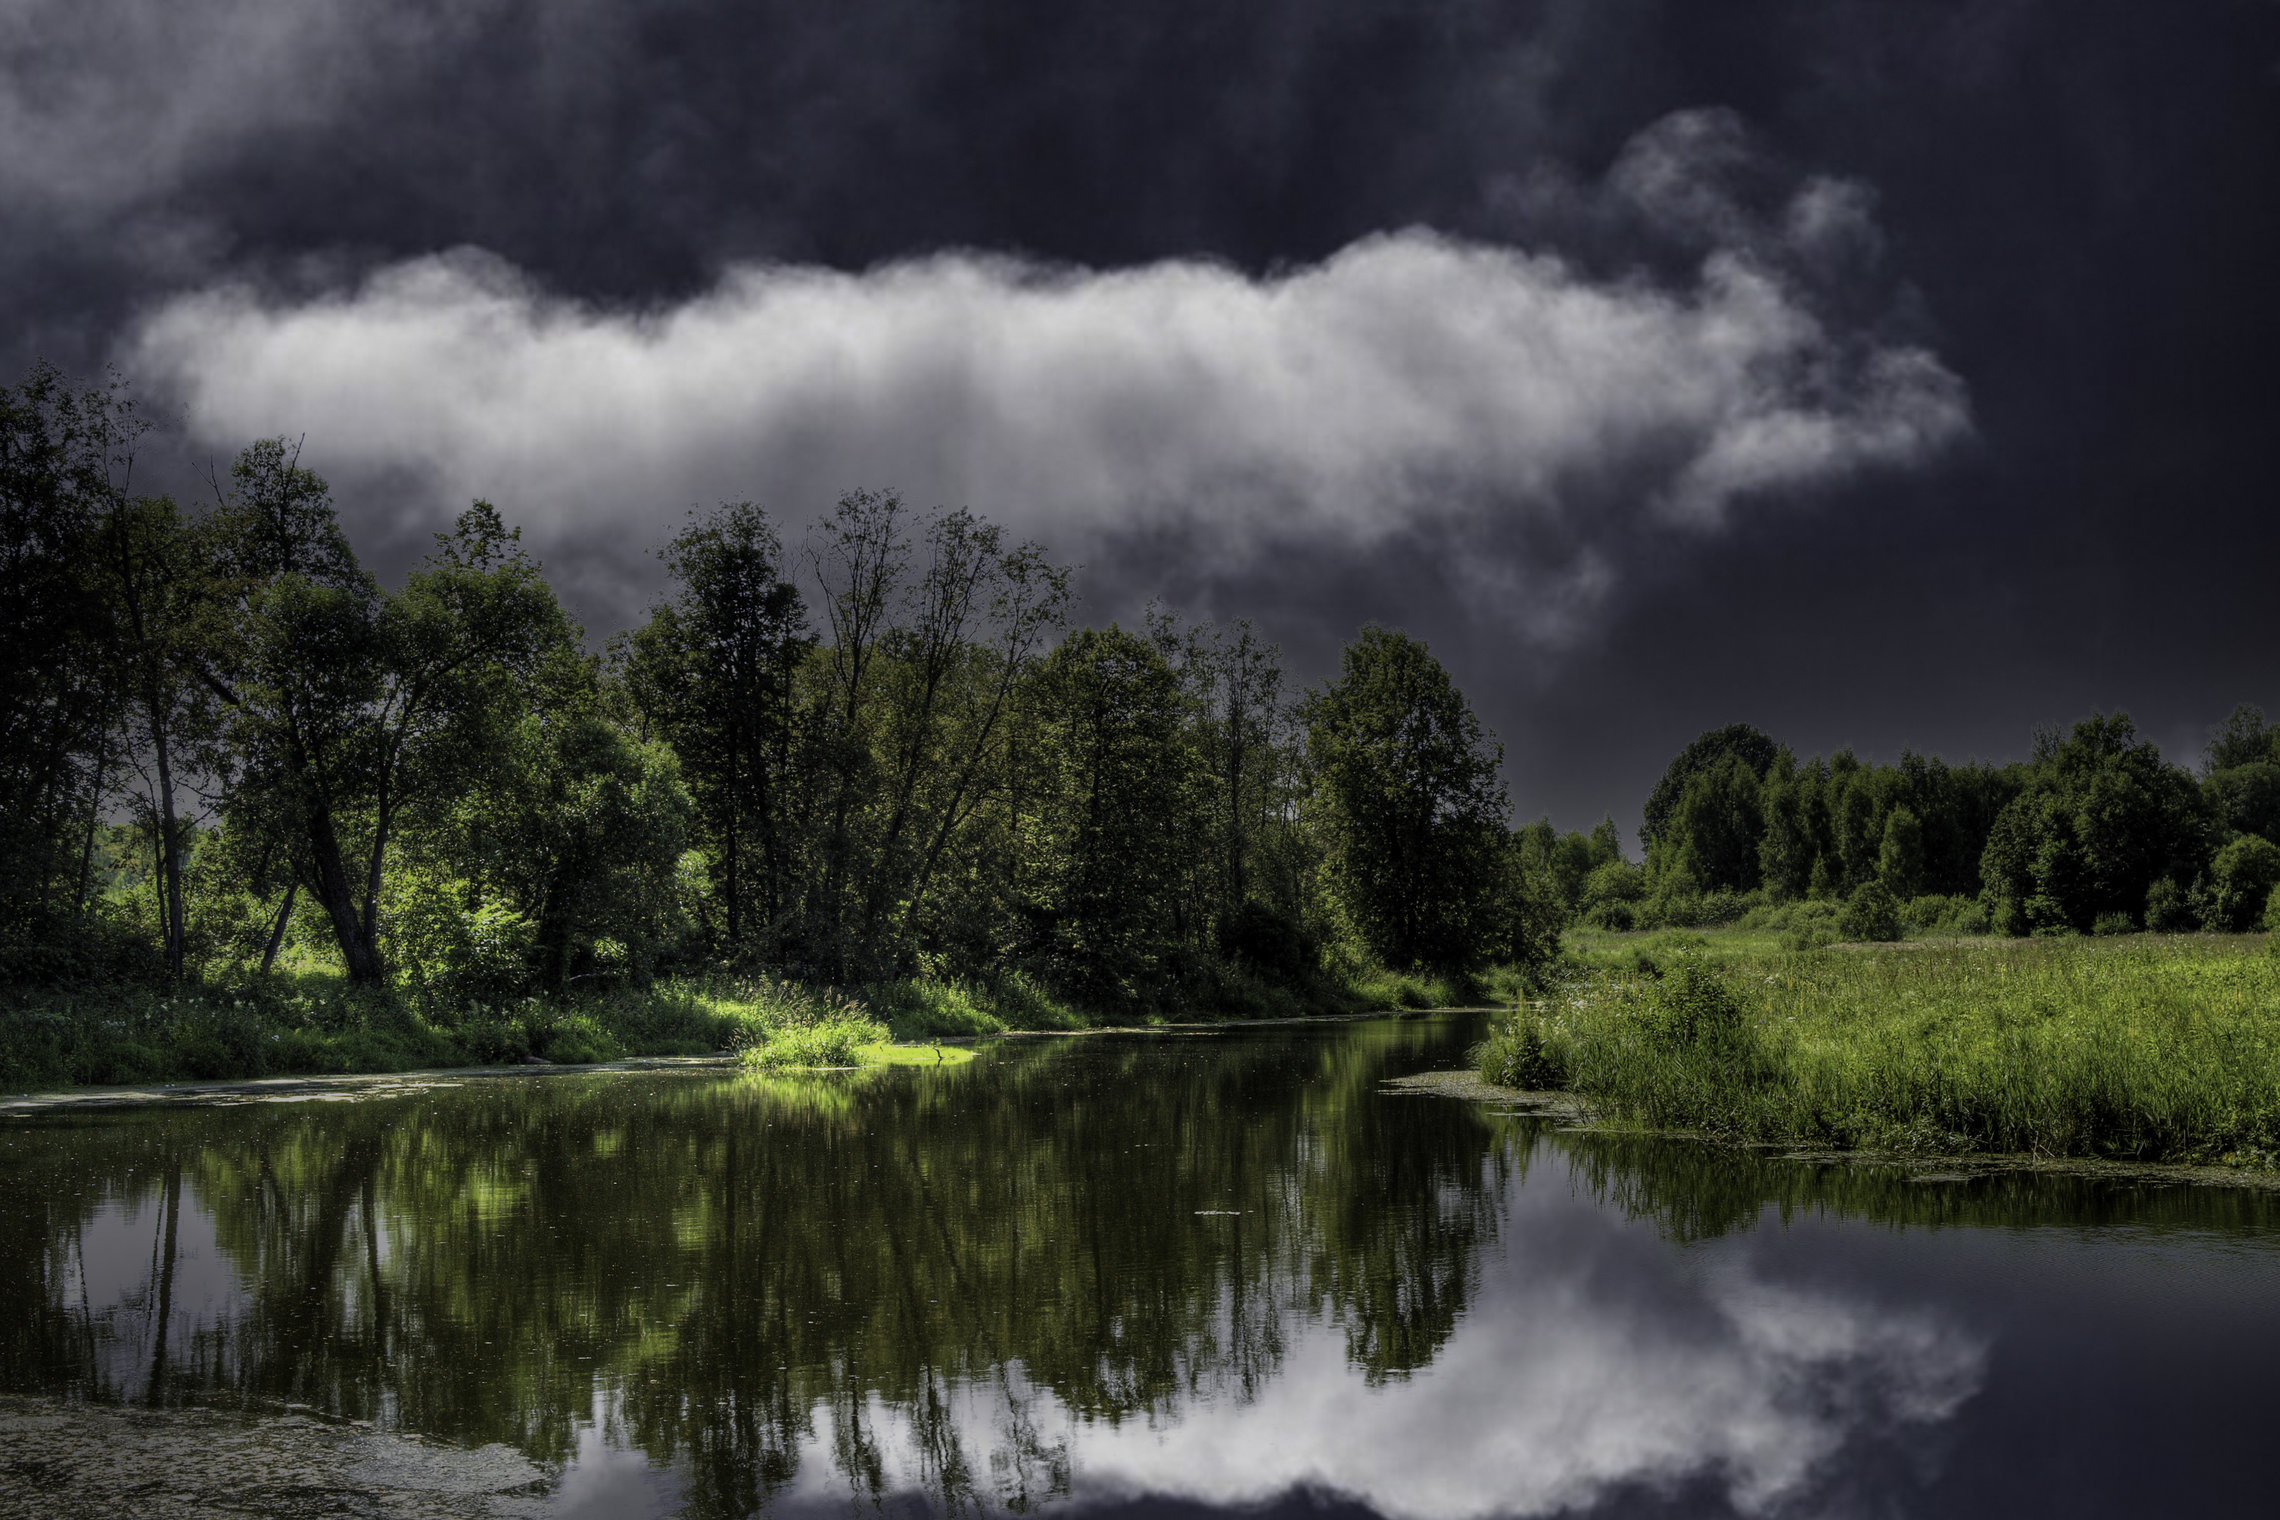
{"x": 2100, "y": 818}
{"x": 61, "y": 455}
{"x": 346, "y": 706}
{"x": 1118, "y": 792}
{"x": 1900, "y": 859}
{"x": 1407, "y": 803}
{"x": 1737, "y": 740}
{"x": 713, "y": 672}
{"x": 2244, "y": 738}
{"x": 155, "y": 579}
{"x": 1715, "y": 832}
{"x": 576, "y": 831}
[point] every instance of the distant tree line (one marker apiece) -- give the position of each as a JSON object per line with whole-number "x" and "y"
{"x": 875, "y": 753}
{"x": 2095, "y": 832}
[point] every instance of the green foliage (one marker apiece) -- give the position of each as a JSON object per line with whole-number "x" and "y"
{"x": 1945, "y": 915}
{"x": 1103, "y": 860}
{"x": 1870, "y": 914}
{"x": 1711, "y": 835}
{"x": 2100, "y": 820}
{"x": 1900, "y": 858}
{"x": 2240, "y": 883}
{"x": 2168, "y": 909}
{"x": 715, "y": 673}
{"x": 1611, "y": 894}
{"x": 1563, "y": 863}
{"x": 1407, "y": 805}
{"x": 824, "y": 1044}
{"x": 1736, "y": 742}
{"x": 2149, "y": 1050}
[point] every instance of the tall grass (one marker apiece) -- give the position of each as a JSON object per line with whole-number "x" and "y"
{"x": 790, "y": 1026}
{"x": 2145, "y": 1048}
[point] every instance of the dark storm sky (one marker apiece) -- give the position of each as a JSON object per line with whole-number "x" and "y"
{"x": 1879, "y": 373}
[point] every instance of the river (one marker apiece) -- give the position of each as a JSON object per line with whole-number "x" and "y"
{"x": 1172, "y": 1274}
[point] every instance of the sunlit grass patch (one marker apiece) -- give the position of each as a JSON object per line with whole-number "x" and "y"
{"x": 900, "y": 1054}
{"x": 1380, "y": 988}
{"x": 2147, "y": 1047}
{"x": 836, "y": 1041}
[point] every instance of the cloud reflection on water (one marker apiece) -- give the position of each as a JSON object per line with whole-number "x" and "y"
{"x": 1595, "y": 1362}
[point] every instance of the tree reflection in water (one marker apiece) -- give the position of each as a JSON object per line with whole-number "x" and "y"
{"x": 753, "y": 1272}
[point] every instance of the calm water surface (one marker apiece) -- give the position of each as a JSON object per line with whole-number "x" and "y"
{"x": 1166, "y": 1275}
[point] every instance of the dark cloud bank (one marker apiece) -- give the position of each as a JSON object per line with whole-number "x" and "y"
{"x": 1880, "y": 373}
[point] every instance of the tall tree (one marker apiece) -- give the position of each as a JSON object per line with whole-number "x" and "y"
{"x": 714, "y": 673}
{"x": 156, "y": 580}
{"x": 1406, "y": 798}
{"x": 1118, "y": 800}
{"x": 60, "y": 450}
{"x": 346, "y": 706}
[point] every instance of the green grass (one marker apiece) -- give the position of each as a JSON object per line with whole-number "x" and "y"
{"x": 306, "y": 1019}
{"x": 2140, "y": 1047}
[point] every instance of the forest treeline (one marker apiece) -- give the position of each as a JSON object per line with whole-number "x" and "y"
{"x": 879, "y": 751}
{"x": 2094, "y": 833}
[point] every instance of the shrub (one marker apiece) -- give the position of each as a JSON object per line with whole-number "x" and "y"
{"x": 2240, "y": 883}
{"x": 1870, "y": 914}
{"x": 1615, "y": 915}
{"x": 1611, "y": 894}
{"x": 1517, "y": 1054}
{"x": 2167, "y": 908}
{"x": 1812, "y": 935}
{"x": 1271, "y": 942}
{"x": 2113, "y": 923}
{"x": 1695, "y": 1005}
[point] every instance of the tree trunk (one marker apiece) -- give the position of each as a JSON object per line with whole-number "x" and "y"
{"x": 330, "y": 886}
{"x": 169, "y": 839}
{"x": 94, "y": 819}
{"x": 277, "y": 935}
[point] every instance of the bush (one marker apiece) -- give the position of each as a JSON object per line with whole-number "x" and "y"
{"x": 1813, "y": 935}
{"x": 1695, "y": 1005}
{"x": 2240, "y": 883}
{"x": 2167, "y": 908}
{"x": 1272, "y": 943}
{"x": 2113, "y": 923}
{"x": 1870, "y": 914}
{"x": 1934, "y": 913}
{"x": 1611, "y": 894}
{"x": 1616, "y": 915}
{"x": 1516, "y": 1054}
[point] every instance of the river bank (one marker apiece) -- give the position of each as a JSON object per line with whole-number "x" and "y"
{"x": 309, "y": 1020}
{"x": 2138, "y": 1048}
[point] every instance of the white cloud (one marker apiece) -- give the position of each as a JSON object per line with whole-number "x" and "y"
{"x": 1410, "y": 381}
{"x": 1556, "y": 1391}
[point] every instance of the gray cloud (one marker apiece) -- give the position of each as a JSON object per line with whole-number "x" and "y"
{"x": 1411, "y": 382}
{"x": 105, "y": 103}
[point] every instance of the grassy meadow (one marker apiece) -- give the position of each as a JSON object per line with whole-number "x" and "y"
{"x": 2140, "y": 1047}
